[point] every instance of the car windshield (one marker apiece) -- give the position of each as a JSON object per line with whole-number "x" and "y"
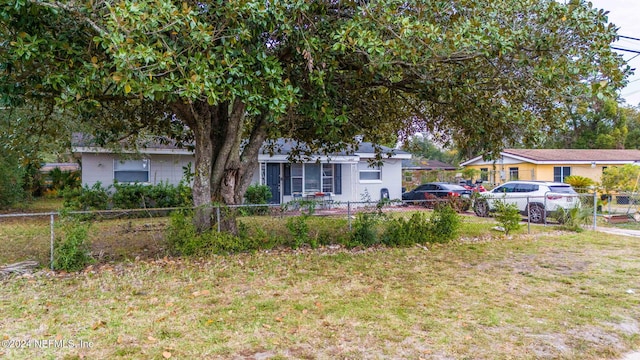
{"x": 562, "y": 189}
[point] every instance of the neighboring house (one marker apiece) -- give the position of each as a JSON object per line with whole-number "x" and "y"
{"x": 340, "y": 177}
{"x": 550, "y": 164}
{"x": 158, "y": 162}
{"x": 418, "y": 171}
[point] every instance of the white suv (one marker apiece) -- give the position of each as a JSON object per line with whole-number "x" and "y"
{"x": 536, "y": 199}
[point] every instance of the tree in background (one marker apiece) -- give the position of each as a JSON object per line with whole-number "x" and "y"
{"x": 593, "y": 123}
{"x": 633, "y": 125}
{"x": 621, "y": 178}
{"x": 237, "y": 73}
{"x": 11, "y": 178}
{"x": 422, "y": 146}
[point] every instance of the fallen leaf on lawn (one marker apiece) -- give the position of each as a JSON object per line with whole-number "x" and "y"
{"x": 304, "y": 311}
{"x": 166, "y": 354}
{"x": 200, "y": 293}
{"x": 279, "y": 319}
{"x": 59, "y": 337}
{"x": 266, "y": 326}
{"x": 151, "y": 338}
{"x": 318, "y": 305}
{"x": 119, "y": 340}
{"x": 99, "y": 324}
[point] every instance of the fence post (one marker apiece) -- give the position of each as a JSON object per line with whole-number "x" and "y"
{"x": 349, "y": 214}
{"x": 528, "y": 216}
{"x": 218, "y": 217}
{"x": 595, "y": 207}
{"x": 52, "y": 239}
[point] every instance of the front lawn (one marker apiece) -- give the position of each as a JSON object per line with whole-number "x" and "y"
{"x": 542, "y": 296}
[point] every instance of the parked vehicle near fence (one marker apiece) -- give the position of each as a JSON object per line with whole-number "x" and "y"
{"x": 536, "y": 199}
{"x": 436, "y": 189}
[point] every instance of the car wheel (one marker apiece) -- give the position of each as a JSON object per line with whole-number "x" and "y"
{"x": 536, "y": 214}
{"x": 481, "y": 208}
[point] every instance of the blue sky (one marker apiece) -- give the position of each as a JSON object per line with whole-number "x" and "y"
{"x": 625, "y": 14}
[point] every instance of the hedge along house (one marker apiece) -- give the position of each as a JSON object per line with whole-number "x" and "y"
{"x": 344, "y": 176}
{"x": 550, "y": 164}
{"x": 339, "y": 177}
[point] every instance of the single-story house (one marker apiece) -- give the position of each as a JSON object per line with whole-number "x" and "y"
{"x": 341, "y": 176}
{"x": 416, "y": 171}
{"x": 550, "y": 164}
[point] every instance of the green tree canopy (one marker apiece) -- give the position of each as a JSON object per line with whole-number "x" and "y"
{"x": 236, "y": 73}
{"x": 622, "y": 178}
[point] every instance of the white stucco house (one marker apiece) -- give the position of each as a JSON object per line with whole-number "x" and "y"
{"x": 340, "y": 176}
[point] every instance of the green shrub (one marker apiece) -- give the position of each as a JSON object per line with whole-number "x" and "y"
{"x": 165, "y": 195}
{"x": 445, "y": 224}
{"x": 130, "y": 196}
{"x": 299, "y": 229}
{"x": 402, "y": 232}
{"x": 580, "y": 183}
{"x": 572, "y": 219}
{"x": 258, "y": 194}
{"x": 364, "y": 231}
{"x": 86, "y": 198}
{"x": 11, "y": 182}
{"x": 71, "y": 252}
{"x": 508, "y": 216}
{"x": 183, "y": 239}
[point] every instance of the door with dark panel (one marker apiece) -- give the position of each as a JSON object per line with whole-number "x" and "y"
{"x": 273, "y": 182}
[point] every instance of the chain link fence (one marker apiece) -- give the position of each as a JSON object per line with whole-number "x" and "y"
{"x": 140, "y": 233}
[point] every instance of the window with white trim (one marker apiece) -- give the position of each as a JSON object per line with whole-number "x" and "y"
{"x": 370, "y": 174}
{"x": 296, "y": 177}
{"x": 327, "y": 178}
{"x": 310, "y": 178}
{"x": 561, "y": 172}
{"x": 131, "y": 171}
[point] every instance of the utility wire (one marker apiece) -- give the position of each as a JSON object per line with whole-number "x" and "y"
{"x": 628, "y": 37}
{"x": 627, "y": 50}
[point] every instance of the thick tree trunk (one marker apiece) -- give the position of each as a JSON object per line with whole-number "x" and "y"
{"x": 197, "y": 117}
{"x": 224, "y": 159}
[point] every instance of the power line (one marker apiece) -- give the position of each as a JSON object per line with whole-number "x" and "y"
{"x": 627, "y": 50}
{"x": 628, "y": 37}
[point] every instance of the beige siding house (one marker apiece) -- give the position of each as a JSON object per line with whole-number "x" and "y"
{"x": 550, "y": 164}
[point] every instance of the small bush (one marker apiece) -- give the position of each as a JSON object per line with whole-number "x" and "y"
{"x": 71, "y": 252}
{"x": 508, "y": 216}
{"x": 573, "y": 219}
{"x": 580, "y": 183}
{"x": 258, "y": 194}
{"x": 364, "y": 230}
{"x": 458, "y": 203}
{"x": 11, "y": 182}
{"x": 184, "y": 240}
{"x": 445, "y": 224}
{"x": 130, "y": 196}
{"x": 299, "y": 229}
{"x": 402, "y": 232}
{"x": 86, "y": 198}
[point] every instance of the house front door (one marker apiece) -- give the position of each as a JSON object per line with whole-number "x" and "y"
{"x": 273, "y": 182}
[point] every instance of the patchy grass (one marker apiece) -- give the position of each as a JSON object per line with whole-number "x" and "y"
{"x": 541, "y": 296}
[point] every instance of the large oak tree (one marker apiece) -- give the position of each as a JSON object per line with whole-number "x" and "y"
{"x": 239, "y": 72}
